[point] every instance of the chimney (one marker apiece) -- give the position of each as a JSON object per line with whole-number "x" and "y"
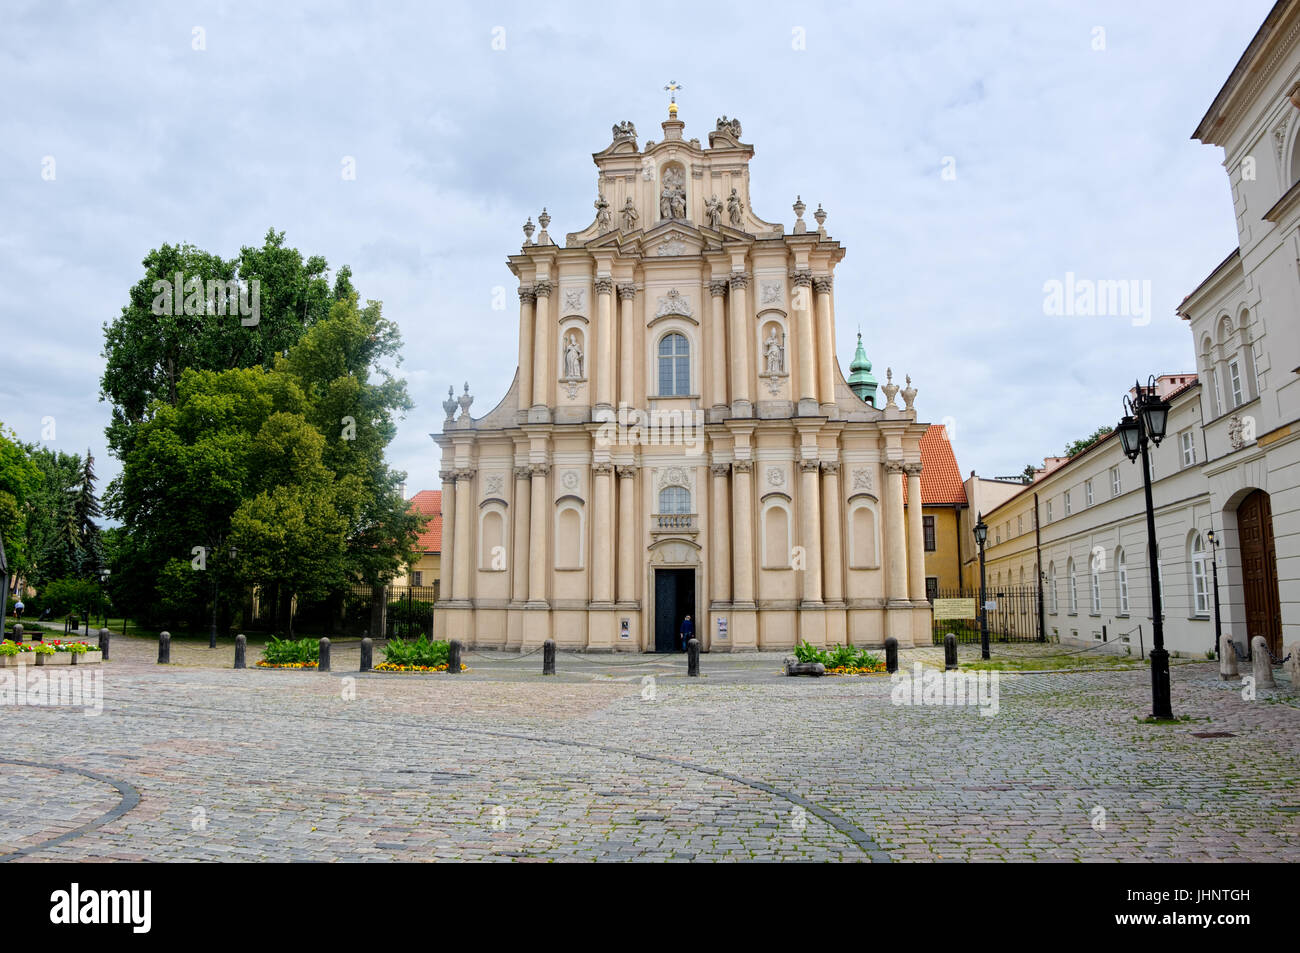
{"x": 403, "y": 490}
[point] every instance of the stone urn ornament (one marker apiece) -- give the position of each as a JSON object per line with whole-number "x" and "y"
{"x": 450, "y": 404}
{"x": 465, "y": 401}
{"x": 529, "y": 228}
{"x": 909, "y": 394}
{"x": 800, "y": 226}
{"x": 890, "y": 387}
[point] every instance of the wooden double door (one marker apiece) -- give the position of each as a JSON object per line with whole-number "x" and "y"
{"x": 1259, "y": 570}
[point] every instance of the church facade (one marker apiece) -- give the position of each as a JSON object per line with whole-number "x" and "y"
{"x": 679, "y": 438}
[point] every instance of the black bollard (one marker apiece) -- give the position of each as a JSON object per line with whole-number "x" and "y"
{"x": 453, "y": 657}
{"x": 104, "y": 636}
{"x": 693, "y": 657}
{"x": 324, "y": 664}
{"x": 950, "y": 653}
{"x": 18, "y": 633}
{"x": 367, "y": 654}
{"x": 891, "y": 655}
{"x": 241, "y": 651}
{"x": 548, "y": 657}
{"x": 164, "y": 648}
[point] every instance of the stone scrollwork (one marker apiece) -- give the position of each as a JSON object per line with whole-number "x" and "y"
{"x": 674, "y": 303}
{"x": 575, "y": 301}
{"x": 862, "y": 479}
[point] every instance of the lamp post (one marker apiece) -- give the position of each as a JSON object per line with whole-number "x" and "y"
{"x": 1214, "y": 570}
{"x": 216, "y": 592}
{"x": 1143, "y": 425}
{"x": 981, "y": 536}
{"x": 103, "y": 595}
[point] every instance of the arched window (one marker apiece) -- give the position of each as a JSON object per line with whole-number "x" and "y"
{"x": 1121, "y": 574}
{"x": 674, "y": 499}
{"x": 674, "y": 365}
{"x": 1200, "y": 584}
{"x": 1074, "y": 586}
{"x": 1051, "y": 588}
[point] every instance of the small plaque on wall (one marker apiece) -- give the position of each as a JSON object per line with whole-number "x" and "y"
{"x": 722, "y": 627}
{"x": 625, "y": 629}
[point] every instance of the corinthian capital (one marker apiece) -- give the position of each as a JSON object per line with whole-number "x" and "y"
{"x": 542, "y": 289}
{"x": 527, "y": 295}
{"x": 625, "y": 472}
{"x": 740, "y": 280}
{"x": 830, "y": 467}
{"x": 743, "y": 466}
{"x": 912, "y": 469}
{"x": 823, "y": 284}
{"x": 447, "y": 476}
{"x": 522, "y": 473}
{"x": 801, "y": 279}
{"x": 465, "y": 475}
{"x": 604, "y": 286}
{"x": 626, "y": 292}
{"x": 893, "y": 466}
{"x": 720, "y": 469}
{"x": 717, "y": 288}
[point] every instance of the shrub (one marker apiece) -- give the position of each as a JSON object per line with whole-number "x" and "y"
{"x": 291, "y": 651}
{"x": 409, "y": 618}
{"x": 837, "y": 656}
{"x": 421, "y": 652}
{"x": 67, "y": 596}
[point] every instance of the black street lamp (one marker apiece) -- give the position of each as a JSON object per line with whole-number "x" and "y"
{"x": 216, "y": 592}
{"x": 1143, "y": 425}
{"x": 981, "y": 536}
{"x": 1214, "y": 569}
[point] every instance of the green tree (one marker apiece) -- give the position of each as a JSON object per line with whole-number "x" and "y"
{"x": 50, "y": 521}
{"x": 1079, "y": 446}
{"x": 20, "y": 479}
{"x": 85, "y": 510}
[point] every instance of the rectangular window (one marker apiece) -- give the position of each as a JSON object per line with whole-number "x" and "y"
{"x": 1049, "y": 511}
{"x": 1188, "y": 440}
{"x": 1067, "y": 502}
{"x": 1087, "y": 492}
{"x": 931, "y": 588}
{"x": 1234, "y": 375}
{"x": 1214, "y": 391}
{"x": 998, "y": 536}
{"x": 417, "y": 578}
{"x": 1114, "y": 481}
{"x": 928, "y": 523}
{"x": 1020, "y": 525}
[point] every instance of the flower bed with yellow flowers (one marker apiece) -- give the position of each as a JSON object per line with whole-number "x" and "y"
{"x": 415, "y": 669}
{"x": 263, "y": 663}
{"x": 842, "y": 659}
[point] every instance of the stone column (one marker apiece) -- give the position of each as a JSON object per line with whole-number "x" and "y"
{"x": 603, "y": 371}
{"x": 915, "y": 534}
{"x": 527, "y": 299}
{"x": 627, "y": 534}
{"x": 743, "y": 532}
{"x": 717, "y": 396}
{"x": 825, "y": 340}
{"x": 445, "y": 567}
{"x": 833, "y": 580}
{"x": 895, "y": 544}
{"x": 802, "y": 302}
{"x": 521, "y": 557}
{"x": 603, "y": 532}
{"x": 539, "y": 550}
{"x": 463, "y": 552}
{"x": 810, "y": 532}
{"x": 741, "y": 406}
{"x": 721, "y": 555}
{"x": 626, "y": 342}
{"x": 542, "y": 344}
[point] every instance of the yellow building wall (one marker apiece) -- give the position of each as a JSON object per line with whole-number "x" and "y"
{"x": 943, "y": 562}
{"x": 429, "y": 564}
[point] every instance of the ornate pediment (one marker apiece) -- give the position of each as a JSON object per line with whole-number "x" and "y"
{"x": 674, "y": 302}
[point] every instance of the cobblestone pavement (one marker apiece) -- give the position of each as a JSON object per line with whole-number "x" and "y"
{"x": 626, "y": 758}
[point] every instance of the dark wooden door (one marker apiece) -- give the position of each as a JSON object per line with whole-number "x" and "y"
{"x": 1259, "y": 570}
{"x": 674, "y": 601}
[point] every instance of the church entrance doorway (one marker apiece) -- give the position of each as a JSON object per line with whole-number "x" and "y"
{"x": 674, "y": 601}
{"x": 1259, "y": 570}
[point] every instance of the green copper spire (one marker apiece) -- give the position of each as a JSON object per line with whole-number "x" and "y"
{"x": 860, "y": 380}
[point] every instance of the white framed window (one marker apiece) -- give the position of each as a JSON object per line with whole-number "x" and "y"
{"x": 1200, "y": 582}
{"x": 1121, "y": 572}
{"x": 1051, "y": 589}
{"x": 674, "y": 365}
{"x": 1234, "y": 380}
{"x": 1096, "y": 587}
{"x": 1067, "y": 502}
{"x": 1214, "y": 391}
{"x": 997, "y": 535}
{"x": 1074, "y": 587}
{"x": 1087, "y": 492}
{"x": 1049, "y": 511}
{"x": 1187, "y": 442}
{"x": 675, "y": 500}
{"x": 1020, "y": 525}
{"x": 1114, "y": 481}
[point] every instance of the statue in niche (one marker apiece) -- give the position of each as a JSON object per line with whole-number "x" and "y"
{"x": 573, "y": 359}
{"x": 735, "y": 208}
{"x": 672, "y": 200}
{"x": 774, "y": 351}
{"x": 629, "y": 215}
{"x": 602, "y": 213}
{"x": 713, "y": 209}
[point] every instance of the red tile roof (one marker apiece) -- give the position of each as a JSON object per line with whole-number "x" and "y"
{"x": 941, "y": 483}
{"x": 429, "y": 503}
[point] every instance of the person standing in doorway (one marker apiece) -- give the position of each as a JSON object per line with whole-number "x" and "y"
{"x": 688, "y": 632}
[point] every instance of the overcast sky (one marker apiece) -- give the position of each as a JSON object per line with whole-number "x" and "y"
{"x": 1067, "y": 159}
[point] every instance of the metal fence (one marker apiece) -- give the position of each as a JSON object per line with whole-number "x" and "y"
{"x": 1014, "y": 617}
{"x": 358, "y": 610}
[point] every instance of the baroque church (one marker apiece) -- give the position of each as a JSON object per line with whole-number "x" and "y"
{"x": 679, "y": 438}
